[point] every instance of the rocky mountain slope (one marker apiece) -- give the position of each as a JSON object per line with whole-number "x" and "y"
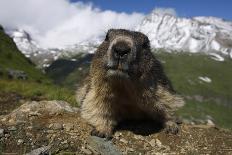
{"x": 198, "y": 34}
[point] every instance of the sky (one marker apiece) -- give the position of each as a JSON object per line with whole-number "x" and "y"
{"x": 58, "y": 23}
{"x": 184, "y": 8}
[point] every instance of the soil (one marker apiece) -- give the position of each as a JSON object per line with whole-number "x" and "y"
{"x": 68, "y": 133}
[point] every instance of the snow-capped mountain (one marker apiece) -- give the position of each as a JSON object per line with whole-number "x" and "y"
{"x": 209, "y": 35}
{"x": 43, "y": 57}
{"x": 199, "y": 34}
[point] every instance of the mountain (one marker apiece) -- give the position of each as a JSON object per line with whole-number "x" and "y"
{"x": 12, "y": 59}
{"x": 198, "y": 34}
{"x": 209, "y": 35}
{"x": 43, "y": 57}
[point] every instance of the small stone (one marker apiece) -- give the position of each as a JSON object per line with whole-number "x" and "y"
{"x": 138, "y": 137}
{"x": 146, "y": 146}
{"x": 7, "y": 135}
{"x": 85, "y": 150}
{"x": 20, "y": 141}
{"x": 153, "y": 142}
{"x": 210, "y": 123}
{"x": 64, "y": 142}
{"x": 56, "y": 126}
{"x": 1, "y": 133}
{"x": 68, "y": 126}
{"x": 158, "y": 143}
{"x": 41, "y": 150}
{"x": 117, "y": 135}
{"x": 124, "y": 141}
{"x": 12, "y": 128}
{"x": 130, "y": 150}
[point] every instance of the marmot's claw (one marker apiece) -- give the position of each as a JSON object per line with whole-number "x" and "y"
{"x": 171, "y": 127}
{"x": 100, "y": 134}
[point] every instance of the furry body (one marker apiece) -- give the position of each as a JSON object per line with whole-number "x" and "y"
{"x": 126, "y": 82}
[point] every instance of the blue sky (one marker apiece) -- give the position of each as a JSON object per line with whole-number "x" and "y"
{"x": 184, "y": 8}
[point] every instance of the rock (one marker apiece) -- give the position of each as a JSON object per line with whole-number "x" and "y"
{"x": 117, "y": 135}
{"x": 20, "y": 141}
{"x": 124, "y": 141}
{"x": 56, "y": 126}
{"x": 38, "y": 108}
{"x": 153, "y": 142}
{"x": 86, "y": 151}
{"x": 138, "y": 137}
{"x": 7, "y": 135}
{"x": 12, "y": 128}
{"x": 68, "y": 126}
{"x": 40, "y": 151}
{"x": 210, "y": 123}
{"x": 16, "y": 74}
{"x": 158, "y": 143}
{"x": 102, "y": 146}
{"x": 1, "y": 133}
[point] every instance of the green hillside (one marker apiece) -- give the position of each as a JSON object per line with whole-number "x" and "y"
{"x": 184, "y": 69}
{"x": 38, "y": 85}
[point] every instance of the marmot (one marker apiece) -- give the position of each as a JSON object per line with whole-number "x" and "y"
{"x": 126, "y": 82}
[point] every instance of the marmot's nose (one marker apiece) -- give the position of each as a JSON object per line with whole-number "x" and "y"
{"x": 121, "y": 50}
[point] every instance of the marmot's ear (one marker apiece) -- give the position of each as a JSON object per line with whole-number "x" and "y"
{"x": 146, "y": 42}
{"x": 108, "y": 34}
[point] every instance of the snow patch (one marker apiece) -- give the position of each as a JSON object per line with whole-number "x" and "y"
{"x": 205, "y": 79}
{"x": 216, "y": 57}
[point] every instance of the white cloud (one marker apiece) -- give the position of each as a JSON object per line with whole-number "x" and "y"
{"x": 56, "y": 23}
{"x": 163, "y": 11}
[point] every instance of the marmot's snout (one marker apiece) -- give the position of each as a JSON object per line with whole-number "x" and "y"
{"x": 119, "y": 57}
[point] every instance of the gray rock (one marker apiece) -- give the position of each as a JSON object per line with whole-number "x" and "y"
{"x": 103, "y": 146}
{"x": 40, "y": 151}
{"x": 68, "y": 126}
{"x": 16, "y": 74}
{"x": 40, "y": 108}
{"x": 20, "y": 141}
{"x": 124, "y": 141}
{"x": 86, "y": 151}
{"x": 210, "y": 123}
{"x": 56, "y": 126}
{"x": 1, "y": 133}
{"x": 12, "y": 128}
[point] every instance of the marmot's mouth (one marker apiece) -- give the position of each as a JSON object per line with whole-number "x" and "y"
{"x": 117, "y": 73}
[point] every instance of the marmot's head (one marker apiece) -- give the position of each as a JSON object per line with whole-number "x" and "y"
{"x": 124, "y": 52}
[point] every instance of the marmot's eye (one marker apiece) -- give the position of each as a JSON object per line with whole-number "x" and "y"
{"x": 107, "y": 37}
{"x": 145, "y": 45}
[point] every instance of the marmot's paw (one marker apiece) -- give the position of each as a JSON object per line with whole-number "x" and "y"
{"x": 171, "y": 127}
{"x": 107, "y": 135}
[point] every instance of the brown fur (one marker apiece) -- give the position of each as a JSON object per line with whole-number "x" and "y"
{"x": 147, "y": 93}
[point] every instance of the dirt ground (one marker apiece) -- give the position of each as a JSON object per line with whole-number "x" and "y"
{"x": 67, "y": 133}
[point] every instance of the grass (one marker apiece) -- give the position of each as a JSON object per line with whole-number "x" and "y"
{"x": 44, "y": 90}
{"x": 37, "y": 85}
{"x": 221, "y": 114}
{"x": 184, "y": 69}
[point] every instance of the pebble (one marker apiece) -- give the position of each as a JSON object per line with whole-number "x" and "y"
{"x": 210, "y": 122}
{"x": 20, "y": 141}
{"x": 124, "y": 141}
{"x": 56, "y": 126}
{"x": 1, "y": 133}
{"x": 12, "y": 128}
{"x": 85, "y": 150}
{"x": 158, "y": 143}
{"x": 153, "y": 142}
{"x": 7, "y": 135}
{"x": 68, "y": 126}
